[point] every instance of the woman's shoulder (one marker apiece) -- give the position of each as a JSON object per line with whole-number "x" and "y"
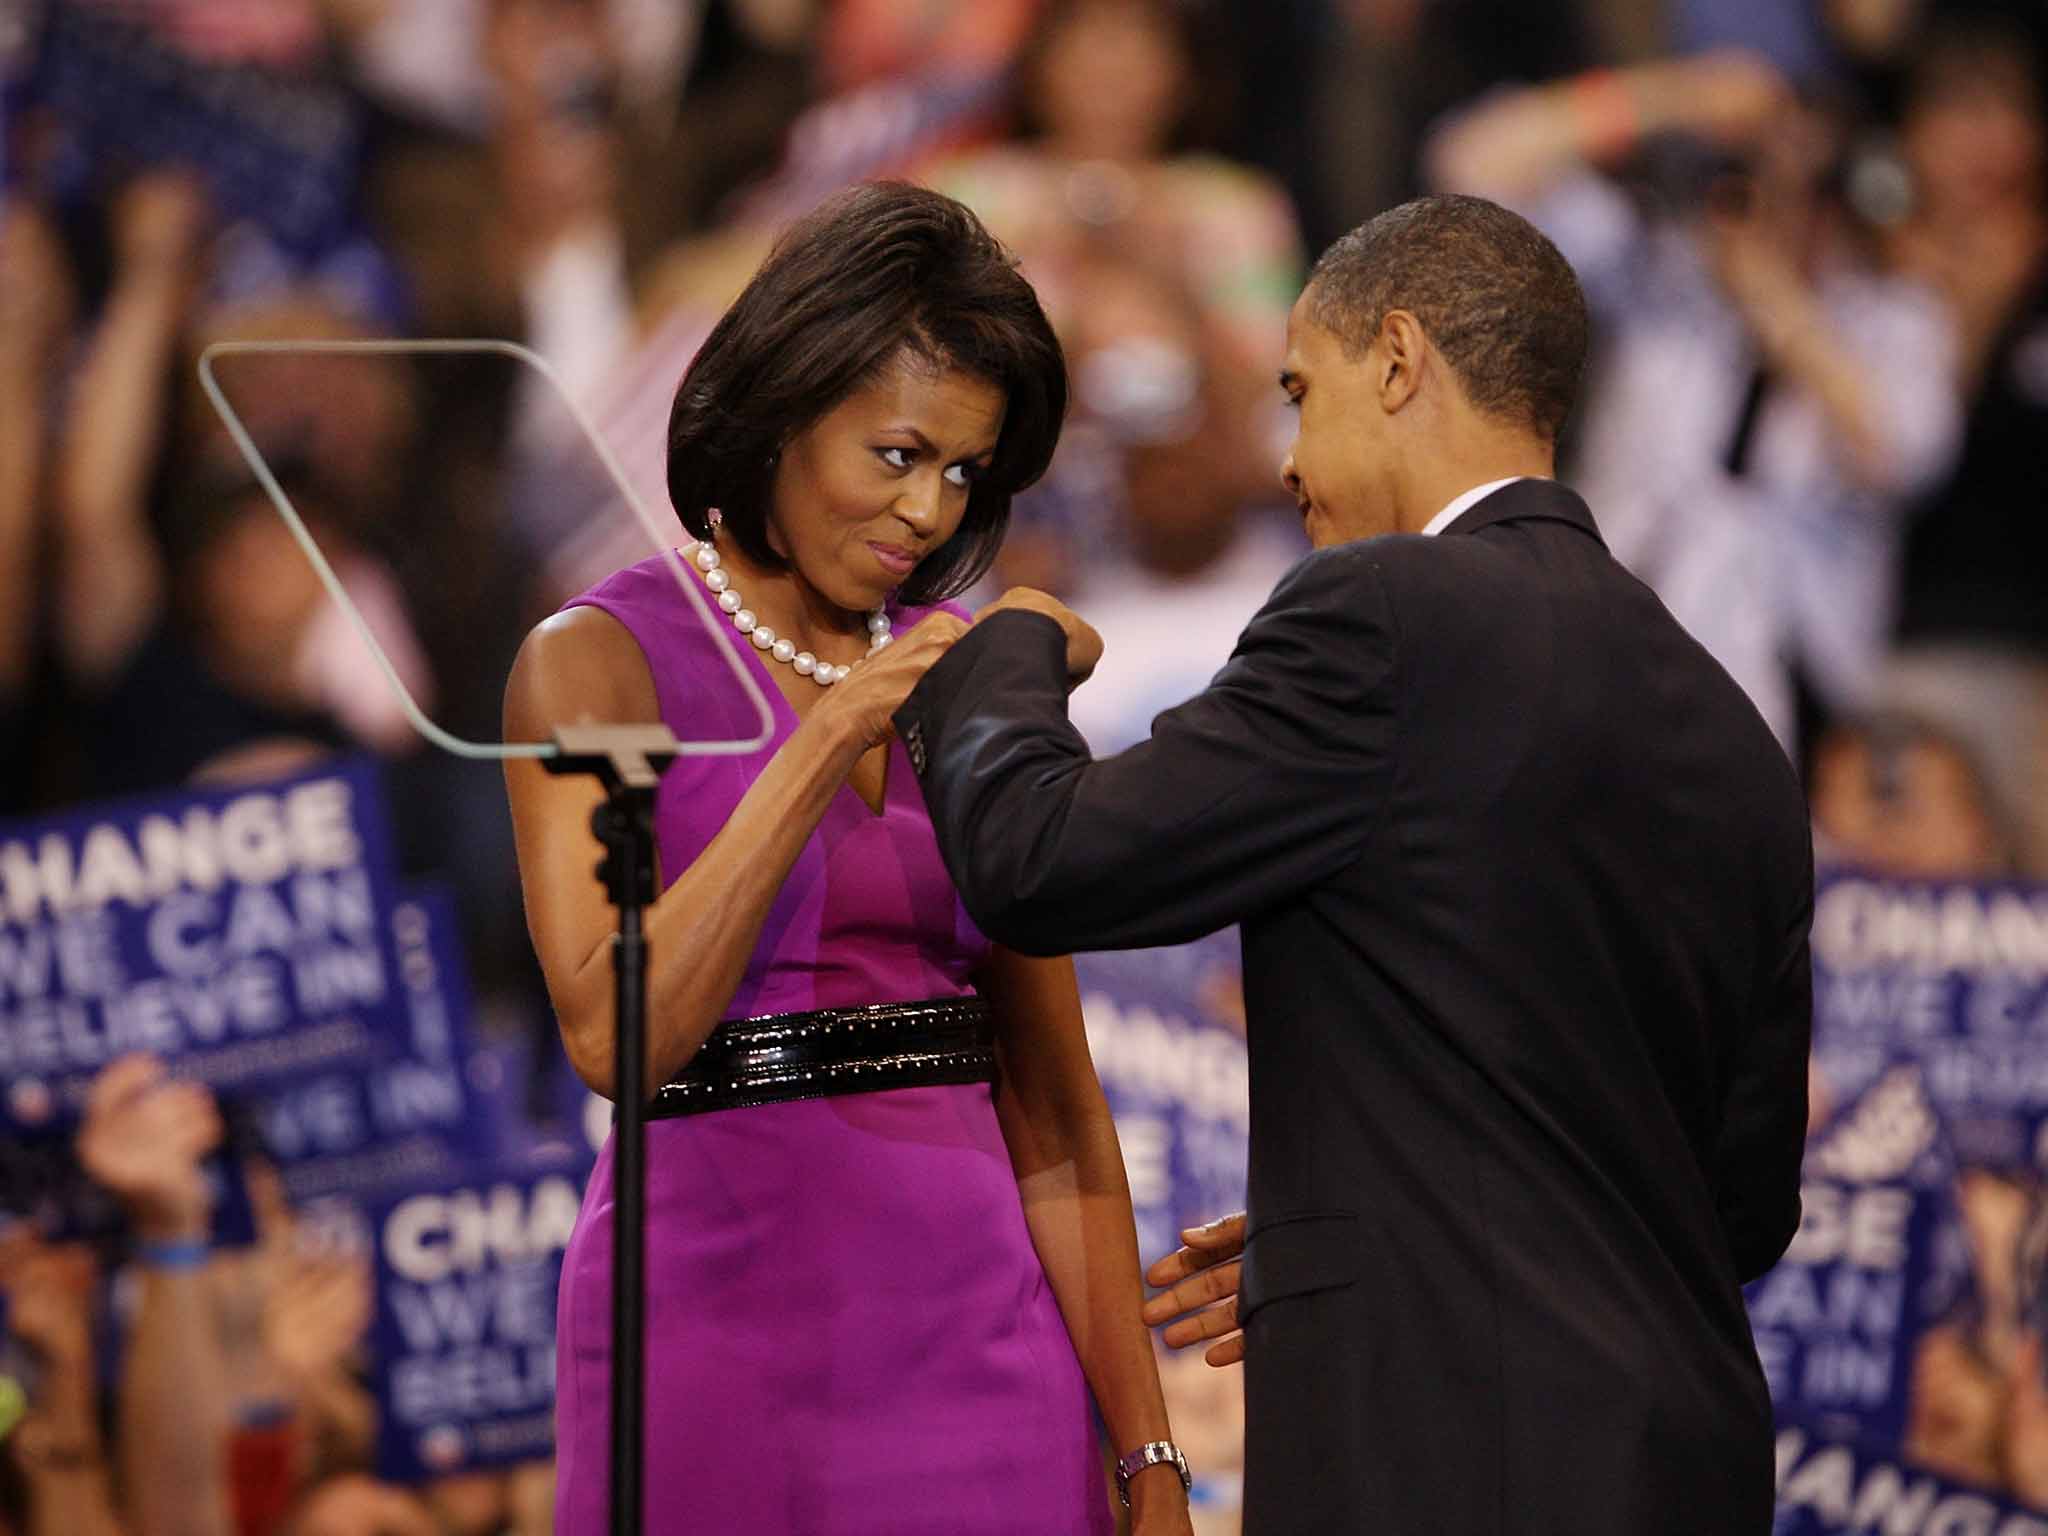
{"x": 652, "y": 581}
{"x": 581, "y": 663}
{"x": 649, "y": 599}
{"x": 606, "y": 647}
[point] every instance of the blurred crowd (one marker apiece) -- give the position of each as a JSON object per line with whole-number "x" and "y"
{"x": 1814, "y": 232}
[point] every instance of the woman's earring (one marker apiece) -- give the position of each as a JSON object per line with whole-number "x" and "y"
{"x": 714, "y": 517}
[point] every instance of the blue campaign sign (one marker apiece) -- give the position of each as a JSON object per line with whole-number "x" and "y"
{"x": 1842, "y": 1486}
{"x": 463, "y": 1345}
{"x": 1173, "y": 1068}
{"x": 242, "y": 935}
{"x": 417, "y": 1115}
{"x": 538, "y": 1099}
{"x": 1954, "y": 977}
{"x": 1839, "y": 1318}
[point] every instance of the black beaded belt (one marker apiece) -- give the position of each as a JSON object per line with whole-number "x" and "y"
{"x": 787, "y": 1056}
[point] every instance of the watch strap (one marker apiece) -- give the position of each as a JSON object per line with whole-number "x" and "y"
{"x": 1151, "y": 1454}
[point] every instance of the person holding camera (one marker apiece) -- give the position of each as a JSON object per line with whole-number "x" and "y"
{"x": 1768, "y": 401}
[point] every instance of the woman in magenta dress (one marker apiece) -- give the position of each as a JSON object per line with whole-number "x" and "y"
{"x": 887, "y": 1297}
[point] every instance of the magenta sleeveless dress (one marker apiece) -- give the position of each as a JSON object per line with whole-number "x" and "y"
{"x": 848, "y": 1329}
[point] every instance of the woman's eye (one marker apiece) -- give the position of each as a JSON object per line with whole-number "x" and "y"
{"x": 962, "y": 475}
{"x": 895, "y": 458}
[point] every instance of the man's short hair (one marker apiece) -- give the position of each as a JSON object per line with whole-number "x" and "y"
{"x": 1498, "y": 300}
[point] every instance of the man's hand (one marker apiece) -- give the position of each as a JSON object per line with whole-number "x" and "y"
{"x": 1201, "y": 1280}
{"x": 144, "y": 1138}
{"x": 1084, "y": 645}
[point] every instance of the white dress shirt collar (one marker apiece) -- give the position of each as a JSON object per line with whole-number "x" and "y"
{"x": 1464, "y": 504}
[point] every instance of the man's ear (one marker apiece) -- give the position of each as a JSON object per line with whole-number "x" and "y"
{"x": 1403, "y": 352}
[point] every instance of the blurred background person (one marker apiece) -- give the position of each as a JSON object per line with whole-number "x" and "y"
{"x": 1754, "y": 433}
{"x": 1168, "y": 271}
{"x": 1115, "y": 99}
{"x": 1156, "y": 515}
{"x": 144, "y": 1140}
{"x": 1972, "y": 631}
{"x": 1895, "y": 794}
{"x": 209, "y": 630}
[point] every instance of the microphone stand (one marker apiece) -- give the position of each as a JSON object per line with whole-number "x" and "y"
{"x": 628, "y": 761}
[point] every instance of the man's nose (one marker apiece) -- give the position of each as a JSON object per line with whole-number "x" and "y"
{"x": 1288, "y": 476}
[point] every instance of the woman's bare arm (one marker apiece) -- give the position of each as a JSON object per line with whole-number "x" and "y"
{"x": 1077, "y": 1204}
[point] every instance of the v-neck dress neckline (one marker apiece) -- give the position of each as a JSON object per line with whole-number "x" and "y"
{"x": 787, "y": 719}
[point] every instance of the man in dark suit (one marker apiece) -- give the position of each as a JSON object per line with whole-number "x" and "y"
{"x": 1524, "y": 886}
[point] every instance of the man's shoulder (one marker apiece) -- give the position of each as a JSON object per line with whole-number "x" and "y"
{"x": 1394, "y": 563}
{"x": 1376, "y": 580}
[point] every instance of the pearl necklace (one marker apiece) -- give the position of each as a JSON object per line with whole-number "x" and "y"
{"x": 823, "y": 673}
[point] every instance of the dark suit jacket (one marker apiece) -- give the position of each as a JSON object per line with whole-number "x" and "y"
{"x": 1524, "y": 884}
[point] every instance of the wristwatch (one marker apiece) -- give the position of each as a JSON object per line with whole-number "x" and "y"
{"x": 1150, "y": 1456}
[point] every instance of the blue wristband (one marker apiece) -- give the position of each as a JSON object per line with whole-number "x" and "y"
{"x": 179, "y": 1253}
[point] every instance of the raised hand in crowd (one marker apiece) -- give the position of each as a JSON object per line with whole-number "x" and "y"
{"x": 35, "y": 317}
{"x": 1954, "y": 1425}
{"x": 519, "y": 1501}
{"x": 2026, "y": 1424}
{"x": 530, "y": 1494}
{"x": 1199, "y": 1285}
{"x": 1792, "y": 332}
{"x": 1515, "y": 144}
{"x": 555, "y": 148}
{"x": 112, "y": 584}
{"x": 356, "y": 1505}
{"x": 556, "y": 151}
{"x": 1760, "y": 233}
{"x": 1084, "y": 645}
{"x": 145, "y": 1138}
{"x": 316, "y": 1312}
{"x": 49, "y": 1290}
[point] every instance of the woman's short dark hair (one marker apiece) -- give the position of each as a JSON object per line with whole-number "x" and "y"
{"x": 876, "y": 271}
